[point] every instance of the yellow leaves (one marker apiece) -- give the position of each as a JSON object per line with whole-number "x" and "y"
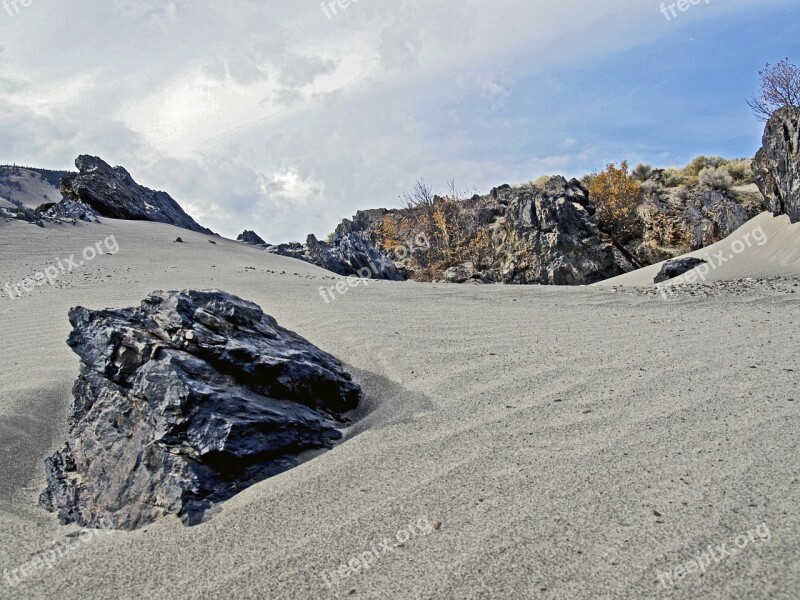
{"x": 616, "y": 194}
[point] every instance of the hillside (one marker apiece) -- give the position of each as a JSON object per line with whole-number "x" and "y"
{"x": 29, "y": 187}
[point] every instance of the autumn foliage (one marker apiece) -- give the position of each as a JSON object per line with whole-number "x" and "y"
{"x": 616, "y": 194}
{"x": 449, "y": 224}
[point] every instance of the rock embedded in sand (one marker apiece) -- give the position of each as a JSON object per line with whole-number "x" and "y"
{"x": 185, "y": 401}
{"x": 777, "y": 164}
{"x": 676, "y": 267}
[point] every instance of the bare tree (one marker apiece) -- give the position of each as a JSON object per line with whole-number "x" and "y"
{"x": 420, "y": 204}
{"x": 421, "y": 198}
{"x": 780, "y": 86}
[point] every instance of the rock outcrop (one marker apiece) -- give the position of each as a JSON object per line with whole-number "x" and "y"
{"x": 676, "y": 267}
{"x": 69, "y": 210}
{"x": 777, "y": 163}
{"x": 113, "y": 193}
{"x": 252, "y": 238}
{"x": 65, "y": 212}
{"x": 549, "y": 232}
{"x": 350, "y": 254}
{"x": 674, "y": 221}
{"x": 546, "y": 235}
{"x": 185, "y": 401}
{"x": 533, "y": 235}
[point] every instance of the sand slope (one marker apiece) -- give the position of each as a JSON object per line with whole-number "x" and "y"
{"x": 765, "y": 246}
{"x": 571, "y": 442}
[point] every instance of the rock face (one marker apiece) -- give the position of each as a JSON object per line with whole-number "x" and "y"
{"x": 350, "y": 254}
{"x": 534, "y": 235}
{"x": 113, "y": 193}
{"x": 777, "y": 164}
{"x": 550, "y": 233}
{"x": 679, "y": 220}
{"x": 185, "y": 401}
{"x": 676, "y": 267}
{"x": 251, "y": 237}
{"x": 546, "y": 235}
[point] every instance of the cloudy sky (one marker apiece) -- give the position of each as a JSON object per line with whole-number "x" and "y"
{"x": 285, "y": 116}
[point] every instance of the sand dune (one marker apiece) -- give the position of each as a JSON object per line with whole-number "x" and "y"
{"x": 566, "y": 442}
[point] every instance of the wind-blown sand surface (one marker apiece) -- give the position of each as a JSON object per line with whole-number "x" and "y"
{"x": 572, "y": 442}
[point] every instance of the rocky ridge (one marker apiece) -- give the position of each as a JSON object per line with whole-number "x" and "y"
{"x": 777, "y": 163}
{"x": 113, "y": 193}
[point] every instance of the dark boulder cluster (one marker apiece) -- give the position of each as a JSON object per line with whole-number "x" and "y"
{"x": 185, "y": 401}
{"x": 113, "y": 193}
{"x": 350, "y": 254}
{"x": 536, "y": 234}
{"x": 69, "y": 210}
{"x": 65, "y": 212}
{"x": 777, "y": 163}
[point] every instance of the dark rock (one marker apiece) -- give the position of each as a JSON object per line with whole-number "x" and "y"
{"x": 290, "y": 250}
{"x": 113, "y": 193}
{"x": 777, "y": 163}
{"x": 547, "y": 236}
{"x": 70, "y": 210}
{"x": 363, "y": 221}
{"x": 352, "y": 254}
{"x": 676, "y": 267}
{"x": 185, "y": 401}
{"x": 178, "y": 241}
{"x": 251, "y": 237}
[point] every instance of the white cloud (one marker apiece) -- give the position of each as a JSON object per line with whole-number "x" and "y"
{"x": 268, "y": 115}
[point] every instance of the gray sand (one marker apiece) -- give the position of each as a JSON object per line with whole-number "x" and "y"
{"x": 567, "y": 442}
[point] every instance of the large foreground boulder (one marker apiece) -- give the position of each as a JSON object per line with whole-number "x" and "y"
{"x": 113, "y": 193}
{"x": 777, "y": 164}
{"x": 185, "y": 401}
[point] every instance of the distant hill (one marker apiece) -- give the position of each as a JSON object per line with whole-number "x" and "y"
{"x": 30, "y": 187}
